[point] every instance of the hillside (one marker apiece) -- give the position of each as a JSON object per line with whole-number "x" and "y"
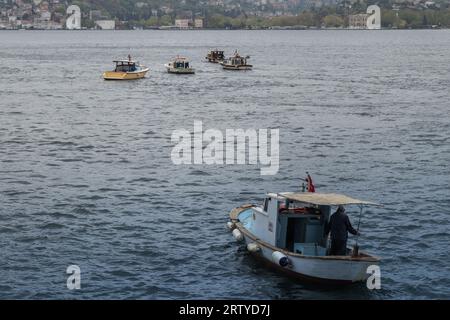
{"x": 223, "y": 13}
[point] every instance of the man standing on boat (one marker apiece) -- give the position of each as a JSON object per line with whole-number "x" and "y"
{"x": 339, "y": 226}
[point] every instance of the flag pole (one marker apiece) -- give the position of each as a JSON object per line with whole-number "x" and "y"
{"x": 356, "y": 246}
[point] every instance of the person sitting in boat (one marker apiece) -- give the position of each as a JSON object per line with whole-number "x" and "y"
{"x": 339, "y": 226}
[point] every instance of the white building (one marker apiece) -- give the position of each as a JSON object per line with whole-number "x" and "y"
{"x": 198, "y": 23}
{"x": 357, "y": 21}
{"x": 106, "y": 24}
{"x": 182, "y": 23}
{"x": 370, "y": 20}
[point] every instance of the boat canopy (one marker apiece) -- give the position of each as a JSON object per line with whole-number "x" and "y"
{"x": 125, "y": 61}
{"x": 180, "y": 58}
{"x": 324, "y": 199}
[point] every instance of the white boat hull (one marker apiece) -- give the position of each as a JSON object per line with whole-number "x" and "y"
{"x": 323, "y": 269}
{"x": 315, "y": 269}
{"x": 171, "y": 69}
{"x": 236, "y": 68}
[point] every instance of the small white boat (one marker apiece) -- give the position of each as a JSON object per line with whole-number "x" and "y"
{"x": 179, "y": 65}
{"x": 236, "y": 62}
{"x": 287, "y": 233}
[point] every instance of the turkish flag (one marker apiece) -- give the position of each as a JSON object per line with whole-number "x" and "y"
{"x": 310, "y": 186}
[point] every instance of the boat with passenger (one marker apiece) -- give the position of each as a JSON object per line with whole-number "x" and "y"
{"x": 179, "y": 65}
{"x": 236, "y": 62}
{"x": 215, "y": 56}
{"x": 126, "y": 70}
{"x": 287, "y": 232}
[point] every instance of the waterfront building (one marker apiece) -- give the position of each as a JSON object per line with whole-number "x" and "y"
{"x": 182, "y": 23}
{"x": 106, "y": 24}
{"x": 358, "y": 21}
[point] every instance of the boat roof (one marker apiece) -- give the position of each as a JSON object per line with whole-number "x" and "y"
{"x": 324, "y": 199}
{"x": 238, "y": 56}
{"x": 180, "y": 58}
{"x": 124, "y": 61}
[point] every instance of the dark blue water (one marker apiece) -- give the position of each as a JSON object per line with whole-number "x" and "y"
{"x": 86, "y": 176}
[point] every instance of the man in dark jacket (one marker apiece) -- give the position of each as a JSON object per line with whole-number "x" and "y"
{"x": 339, "y": 226}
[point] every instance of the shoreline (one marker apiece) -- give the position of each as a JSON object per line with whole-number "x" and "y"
{"x": 224, "y": 29}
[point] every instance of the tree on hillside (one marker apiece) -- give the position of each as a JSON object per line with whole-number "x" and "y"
{"x": 165, "y": 20}
{"x": 333, "y": 21}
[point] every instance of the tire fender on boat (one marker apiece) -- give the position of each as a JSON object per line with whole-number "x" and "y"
{"x": 238, "y": 235}
{"x": 280, "y": 258}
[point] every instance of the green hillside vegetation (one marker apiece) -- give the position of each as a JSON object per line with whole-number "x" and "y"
{"x": 155, "y": 13}
{"x": 329, "y": 16}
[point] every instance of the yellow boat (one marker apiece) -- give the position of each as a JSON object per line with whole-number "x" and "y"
{"x": 126, "y": 70}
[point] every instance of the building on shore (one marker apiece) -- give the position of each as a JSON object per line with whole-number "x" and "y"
{"x": 358, "y": 21}
{"x": 370, "y": 20}
{"x": 44, "y": 25}
{"x": 182, "y": 23}
{"x": 198, "y": 23}
{"x": 106, "y": 24}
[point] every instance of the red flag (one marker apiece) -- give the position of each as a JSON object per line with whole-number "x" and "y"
{"x": 310, "y": 186}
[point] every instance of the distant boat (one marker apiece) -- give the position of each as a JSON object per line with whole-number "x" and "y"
{"x": 215, "y": 56}
{"x": 179, "y": 65}
{"x": 126, "y": 70}
{"x": 236, "y": 62}
{"x": 287, "y": 233}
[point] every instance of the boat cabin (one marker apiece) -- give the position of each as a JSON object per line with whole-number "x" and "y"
{"x": 216, "y": 55}
{"x": 125, "y": 66}
{"x": 237, "y": 60}
{"x": 181, "y": 63}
{"x": 295, "y": 221}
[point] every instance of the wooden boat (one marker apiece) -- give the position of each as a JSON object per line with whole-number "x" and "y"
{"x": 126, "y": 70}
{"x": 179, "y": 65}
{"x": 215, "y": 56}
{"x": 287, "y": 233}
{"x": 236, "y": 62}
